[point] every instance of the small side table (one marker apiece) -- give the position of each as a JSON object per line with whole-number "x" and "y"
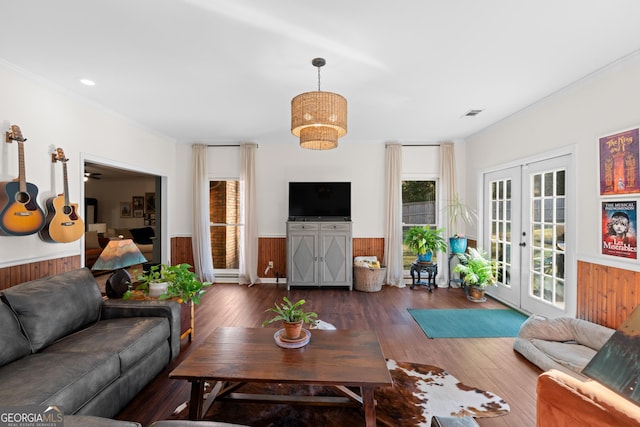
{"x": 187, "y": 315}
{"x": 430, "y": 269}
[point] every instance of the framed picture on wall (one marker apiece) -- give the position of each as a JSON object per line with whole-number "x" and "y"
{"x": 149, "y": 202}
{"x": 125, "y": 209}
{"x": 619, "y": 228}
{"x": 138, "y": 213}
{"x": 138, "y": 203}
{"x": 620, "y": 163}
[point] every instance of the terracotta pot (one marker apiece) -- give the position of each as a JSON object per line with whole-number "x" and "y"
{"x": 292, "y": 330}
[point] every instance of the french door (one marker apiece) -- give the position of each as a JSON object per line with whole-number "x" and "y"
{"x": 526, "y": 233}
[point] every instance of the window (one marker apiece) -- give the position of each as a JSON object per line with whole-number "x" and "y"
{"x": 418, "y": 208}
{"x": 225, "y": 226}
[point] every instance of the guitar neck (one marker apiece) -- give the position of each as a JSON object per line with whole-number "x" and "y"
{"x": 65, "y": 179}
{"x": 21, "y": 169}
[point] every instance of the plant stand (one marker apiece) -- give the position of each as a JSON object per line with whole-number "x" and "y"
{"x": 430, "y": 269}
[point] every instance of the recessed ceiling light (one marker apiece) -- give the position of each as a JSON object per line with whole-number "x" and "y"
{"x": 87, "y": 82}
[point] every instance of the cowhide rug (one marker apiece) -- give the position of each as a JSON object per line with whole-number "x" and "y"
{"x": 419, "y": 392}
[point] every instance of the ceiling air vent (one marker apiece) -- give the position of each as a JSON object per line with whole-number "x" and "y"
{"x": 472, "y": 113}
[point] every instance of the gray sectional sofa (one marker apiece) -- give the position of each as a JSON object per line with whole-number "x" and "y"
{"x": 62, "y": 344}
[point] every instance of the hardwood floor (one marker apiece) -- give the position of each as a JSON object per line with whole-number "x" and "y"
{"x": 486, "y": 363}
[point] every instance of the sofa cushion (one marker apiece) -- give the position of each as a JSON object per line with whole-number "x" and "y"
{"x": 55, "y": 306}
{"x": 572, "y": 356}
{"x": 13, "y": 345}
{"x": 57, "y": 379}
{"x": 131, "y": 338}
{"x": 143, "y": 235}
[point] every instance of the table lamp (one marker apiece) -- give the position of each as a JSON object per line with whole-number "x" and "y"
{"x": 118, "y": 255}
{"x": 99, "y": 227}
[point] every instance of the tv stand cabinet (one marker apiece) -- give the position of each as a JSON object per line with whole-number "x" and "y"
{"x": 319, "y": 254}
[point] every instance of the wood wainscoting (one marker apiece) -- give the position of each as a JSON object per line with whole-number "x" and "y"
{"x": 275, "y": 249}
{"x": 606, "y": 295}
{"x": 10, "y": 276}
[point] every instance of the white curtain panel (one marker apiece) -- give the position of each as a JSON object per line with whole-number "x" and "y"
{"x": 249, "y": 214}
{"x": 393, "y": 234}
{"x": 448, "y": 185}
{"x": 201, "y": 241}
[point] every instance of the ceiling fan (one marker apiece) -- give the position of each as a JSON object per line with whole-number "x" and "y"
{"x": 91, "y": 175}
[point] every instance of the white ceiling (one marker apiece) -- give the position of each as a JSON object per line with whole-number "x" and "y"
{"x": 221, "y": 71}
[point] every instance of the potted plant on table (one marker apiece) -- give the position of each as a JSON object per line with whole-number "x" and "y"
{"x": 424, "y": 241}
{"x": 458, "y": 212}
{"x": 180, "y": 282}
{"x": 292, "y": 317}
{"x": 479, "y": 273}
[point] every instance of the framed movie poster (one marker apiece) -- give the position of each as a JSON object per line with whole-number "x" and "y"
{"x": 620, "y": 163}
{"x": 619, "y": 227}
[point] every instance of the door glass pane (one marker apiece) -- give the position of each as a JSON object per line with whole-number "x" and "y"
{"x": 500, "y": 222}
{"x": 547, "y": 237}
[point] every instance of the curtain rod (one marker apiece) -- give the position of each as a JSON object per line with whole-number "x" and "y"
{"x": 228, "y": 145}
{"x": 415, "y": 145}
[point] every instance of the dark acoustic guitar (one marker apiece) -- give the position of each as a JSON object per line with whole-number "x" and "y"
{"x": 63, "y": 224}
{"x": 20, "y": 214}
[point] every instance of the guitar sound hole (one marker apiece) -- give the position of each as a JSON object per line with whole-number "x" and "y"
{"x": 67, "y": 210}
{"x": 22, "y": 197}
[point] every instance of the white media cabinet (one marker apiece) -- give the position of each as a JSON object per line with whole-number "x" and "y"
{"x": 319, "y": 253}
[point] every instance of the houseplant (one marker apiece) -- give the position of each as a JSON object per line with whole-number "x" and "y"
{"x": 479, "y": 272}
{"x": 457, "y": 212}
{"x": 424, "y": 241}
{"x": 182, "y": 283}
{"x": 292, "y": 317}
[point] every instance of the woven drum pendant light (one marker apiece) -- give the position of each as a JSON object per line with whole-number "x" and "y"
{"x": 319, "y": 118}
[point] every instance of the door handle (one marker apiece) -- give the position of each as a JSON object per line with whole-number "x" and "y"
{"x": 523, "y": 244}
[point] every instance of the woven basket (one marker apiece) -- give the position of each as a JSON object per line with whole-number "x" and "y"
{"x": 368, "y": 279}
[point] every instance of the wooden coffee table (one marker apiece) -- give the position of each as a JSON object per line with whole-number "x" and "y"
{"x": 337, "y": 358}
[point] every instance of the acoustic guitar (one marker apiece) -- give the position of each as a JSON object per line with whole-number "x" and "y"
{"x": 63, "y": 224}
{"x": 20, "y": 213}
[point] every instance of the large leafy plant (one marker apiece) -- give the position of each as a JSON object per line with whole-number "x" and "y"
{"x": 477, "y": 268}
{"x": 184, "y": 284}
{"x": 423, "y": 239}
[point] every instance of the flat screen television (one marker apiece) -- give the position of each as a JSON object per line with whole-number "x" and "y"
{"x": 319, "y": 201}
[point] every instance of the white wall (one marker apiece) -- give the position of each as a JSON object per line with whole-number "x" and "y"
{"x": 50, "y": 118}
{"x": 363, "y": 164}
{"x": 597, "y": 106}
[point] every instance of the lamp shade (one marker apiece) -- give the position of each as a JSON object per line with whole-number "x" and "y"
{"x": 99, "y": 227}
{"x": 319, "y": 119}
{"x": 119, "y": 253}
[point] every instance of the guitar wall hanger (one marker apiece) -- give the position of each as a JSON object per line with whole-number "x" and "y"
{"x": 11, "y": 137}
